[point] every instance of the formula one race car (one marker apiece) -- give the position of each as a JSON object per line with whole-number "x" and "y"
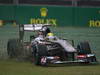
{"x": 58, "y": 51}
{"x": 55, "y": 53}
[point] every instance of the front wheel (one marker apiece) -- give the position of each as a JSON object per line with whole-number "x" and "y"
{"x": 39, "y": 51}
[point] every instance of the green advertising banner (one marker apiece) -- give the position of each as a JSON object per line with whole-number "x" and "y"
{"x": 7, "y": 12}
{"x": 56, "y": 15}
{"x": 44, "y": 14}
{"x": 87, "y": 17}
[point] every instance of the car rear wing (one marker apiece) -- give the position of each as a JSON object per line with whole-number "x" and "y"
{"x": 33, "y": 27}
{"x": 30, "y": 27}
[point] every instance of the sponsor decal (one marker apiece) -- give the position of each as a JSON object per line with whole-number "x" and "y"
{"x": 44, "y": 19}
{"x": 94, "y": 23}
{"x": 43, "y": 12}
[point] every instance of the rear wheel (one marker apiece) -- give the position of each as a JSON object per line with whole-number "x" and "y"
{"x": 14, "y": 48}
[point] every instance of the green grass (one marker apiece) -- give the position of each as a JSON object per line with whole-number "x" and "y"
{"x": 10, "y": 67}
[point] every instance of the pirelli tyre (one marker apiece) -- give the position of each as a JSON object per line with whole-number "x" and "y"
{"x": 39, "y": 52}
{"x": 84, "y": 48}
{"x": 14, "y": 48}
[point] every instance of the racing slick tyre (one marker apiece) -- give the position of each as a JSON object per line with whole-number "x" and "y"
{"x": 37, "y": 59}
{"x": 83, "y": 48}
{"x": 39, "y": 52}
{"x": 14, "y": 48}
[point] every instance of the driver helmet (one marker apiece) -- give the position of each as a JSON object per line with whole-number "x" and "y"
{"x": 50, "y": 37}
